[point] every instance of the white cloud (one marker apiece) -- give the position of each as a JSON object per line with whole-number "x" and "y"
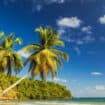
{"x": 102, "y": 19}
{"x": 100, "y": 87}
{"x": 60, "y": 80}
{"x": 93, "y": 91}
{"x": 77, "y": 50}
{"x": 87, "y": 29}
{"x": 88, "y": 38}
{"x": 61, "y": 31}
{"x": 60, "y": 1}
{"x": 25, "y": 55}
{"x": 38, "y": 7}
{"x": 79, "y": 42}
{"x": 55, "y": 1}
{"x": 71, "y": 40}
{"x": 68, "y": 39}
{"x": 96, "y": 73}
{"x": 72, "y": 22}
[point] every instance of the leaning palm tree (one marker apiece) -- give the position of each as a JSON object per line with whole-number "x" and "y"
{"x": 8, "y": 57}
{"x": 44, "y": 56}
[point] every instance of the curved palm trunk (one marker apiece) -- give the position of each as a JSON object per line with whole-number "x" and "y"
{"x": 13, "y": 85}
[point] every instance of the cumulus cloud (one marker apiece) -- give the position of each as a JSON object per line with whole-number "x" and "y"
{"x": 72, "y": 22}
{"x": 100, "y": 87}
{"x": 87, "y": 29}
{"x": 102, "y": 20}
{"x": 77, "y": 39}
{"x": 25, "y": 55}
{"x": 66, "y": 26}
{"x": 96, "y": 73}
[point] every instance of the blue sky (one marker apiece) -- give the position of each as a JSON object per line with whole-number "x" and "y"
{"x": 80, "y": 23}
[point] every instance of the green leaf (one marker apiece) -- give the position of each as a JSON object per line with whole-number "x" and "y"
{"x": 18, "y": 41}
{"x": 2, "y": 34}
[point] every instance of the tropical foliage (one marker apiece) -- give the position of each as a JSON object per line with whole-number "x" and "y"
{"x": 44, "y": 59}
{"x": 8, "y": 57}
{"x": 34, "y": 89}
{"x": 44, "y": 56}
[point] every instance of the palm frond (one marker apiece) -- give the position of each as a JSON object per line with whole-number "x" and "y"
{"x": 32, "y": 47}
{"x": 17, "y": 62}
{"x": 36, "y": 70}
{"x": 61, "y": 54}
{"x": 44, "y": 55}
{"x": 58, "y": 43}
{"x": 4, "y": 62}
{"x": 11, "y": 36}
{"x": 18, "y": 41}
{"x": 58, "y": 61}
{"x": 2, "y": 34}
{"x": 41, "y": 32}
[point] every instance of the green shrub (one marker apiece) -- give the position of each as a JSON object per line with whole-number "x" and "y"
{"x": 35, "y": 89}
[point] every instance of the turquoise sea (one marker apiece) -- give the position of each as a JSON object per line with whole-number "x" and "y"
{"x": 76, "y": 101}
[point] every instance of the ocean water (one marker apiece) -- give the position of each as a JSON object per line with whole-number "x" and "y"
{"x": 76, "y": 101}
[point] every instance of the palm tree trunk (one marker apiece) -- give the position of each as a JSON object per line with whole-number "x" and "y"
{"x": 9, "y": 72}
{"x": 43, "y": 76}
{"x": 13, "y": 85}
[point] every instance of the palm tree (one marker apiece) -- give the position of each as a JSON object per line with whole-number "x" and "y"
{"x": 8, "y": 57}
{"x": 45, "y": 57}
